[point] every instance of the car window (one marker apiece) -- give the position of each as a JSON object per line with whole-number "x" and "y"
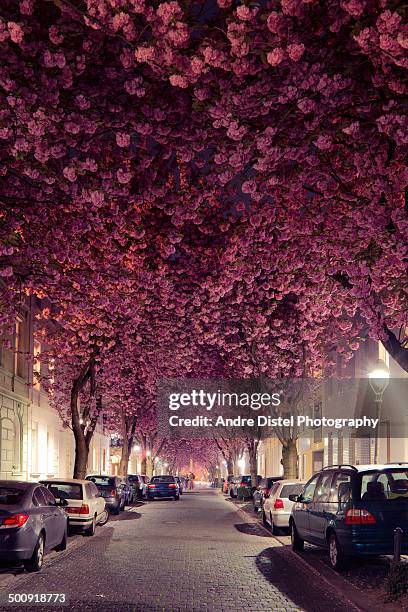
{"x": 93, "y": 489}
{"x": 102, "y": 481}
{"x": 341, "y": 488}
{"x": 323, "y": 489}
{"x": 309, "y": 489}
{"x": 275, "y": 487}
{"x": 49, "y": 498}
{"x": 38, "y": 497}
{"x": 384, "y": 485}
{"x": 163, "y": 479}
{"x": 11, "y": 495}
{"x": 291, "y": 489}
{"x": 61, "y": 490}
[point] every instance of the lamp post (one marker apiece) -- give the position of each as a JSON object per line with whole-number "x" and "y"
{"x": 379, "y": 379}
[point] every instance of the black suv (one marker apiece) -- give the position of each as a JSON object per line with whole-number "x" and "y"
{"x": 352, "y": 510}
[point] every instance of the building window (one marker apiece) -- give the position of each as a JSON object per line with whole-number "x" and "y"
{"x": 383, "y": 354}
{"x": 18, "y": 446}
{"x": 34, "y": 448}
{"x": 36, "y": 365}
{"x": 19, "y": 357}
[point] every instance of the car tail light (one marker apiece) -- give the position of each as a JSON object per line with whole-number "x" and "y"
{"x": 172, "y": 485}
{"x": 278, "y": 504}
{"x": 15, "y": 520}
{"x": 84, "y": 509}
{"x": 152, "y": 486}
{"x": 113, "y": 493}
{"x": 359, "y": 516}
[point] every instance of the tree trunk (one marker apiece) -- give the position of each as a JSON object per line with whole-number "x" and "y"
{"x": 149, "y": 467}
{"x": 230, "y": 466}
{"x": 289, "y": 459}
{"x": 253, "y": 464}
{"x": 82, "y": 439}
{"x": 124, "y": 460}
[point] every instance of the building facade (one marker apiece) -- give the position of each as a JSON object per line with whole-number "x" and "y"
{"x": 34, "y": 443}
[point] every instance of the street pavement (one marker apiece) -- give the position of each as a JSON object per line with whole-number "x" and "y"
{"x": 198, "y": 553}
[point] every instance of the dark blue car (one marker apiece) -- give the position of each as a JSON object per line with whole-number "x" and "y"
{"x": 163, "y": 486}
{"x": 352, "y": 510}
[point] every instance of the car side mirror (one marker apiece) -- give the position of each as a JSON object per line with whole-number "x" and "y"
{"x": 293, "y": 497}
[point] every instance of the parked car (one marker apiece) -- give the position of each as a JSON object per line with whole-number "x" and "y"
{"x": 127, "y": 486}
{"x": 226, "y": 484}
{"x": 241, "y": 486}
{"x": 277, "y": 506}
{"x": 352, "y": 510}
{"x": 232, "y": 492}
{"x": 112, "y": 491}
{"x": 262, "y": 491}
{"x": 31, "y": 523}
{"x": 139, "y": 483}
{"x": 180, "y": 484}
{"x": 85, "y": 505}
{"x": 163, "y": 486}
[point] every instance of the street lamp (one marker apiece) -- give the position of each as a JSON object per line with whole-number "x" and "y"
{"x": 378, "y": 378}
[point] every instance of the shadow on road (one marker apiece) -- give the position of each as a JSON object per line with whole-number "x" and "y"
{"x": 251, "y": 529}
{"x": 125, "y": 516}
{"x": 295, "y": 583}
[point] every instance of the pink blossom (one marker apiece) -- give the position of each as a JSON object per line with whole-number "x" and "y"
{"x": 6, "y": 272}
{"x": 224, "y": 3}
{"x": 26, "y": 7}
{"x": 122, "y": 139}
{"x": 16, "y": 33}
{"x": 295, "y": 51}
{"x": 124, "y": 176}
{"x": 145, "y": 54}
{"x": 178, "y": 81}
{"x": 275, "y": 57}
{"x": 323, "y": 142}
{"x": 70, "y": 174}
{"x": 244, "y": 13}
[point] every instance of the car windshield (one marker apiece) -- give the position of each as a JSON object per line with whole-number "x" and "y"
{"x": 133, "y": 478}
{"x": 384, "y": 485}
{"x": 291, "y": 489}
{"x": 160, "y": 479}
{"x": 10, "y": 496}
{"x": 61, "y": 490}
{"x": 246, "y": 479}
{"x": 102, "y": 481}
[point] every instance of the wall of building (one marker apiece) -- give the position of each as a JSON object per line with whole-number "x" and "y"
{"x": 34, "y": 443}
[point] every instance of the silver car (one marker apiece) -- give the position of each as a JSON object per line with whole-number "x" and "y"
{"x": 277, "y": 507}
{"x": 31, "y": 523}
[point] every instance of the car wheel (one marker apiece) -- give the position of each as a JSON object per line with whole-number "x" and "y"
{"x": 338, "y": 559}
{"x": 264, "y": 521}
{"x": 296, "y": 541}
{"x": 90, "y": 531}
{"x": 116, "y": 510}
{"x": 35, "y": 563}
{"x": 63, "y": 545}
{"x": 177, "y": 497}
{"x": 274, "y": 528}
{"x": 104, "y": 518}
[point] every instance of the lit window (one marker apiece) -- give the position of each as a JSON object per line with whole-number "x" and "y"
{"x": 383, "y": 354}
{"x": 36, "y": 365}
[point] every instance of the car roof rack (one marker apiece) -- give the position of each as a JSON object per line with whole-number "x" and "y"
{"x": 340, "y": 465}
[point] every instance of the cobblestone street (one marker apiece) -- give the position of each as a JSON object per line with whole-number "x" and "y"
{"x": 194, "y": 554}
